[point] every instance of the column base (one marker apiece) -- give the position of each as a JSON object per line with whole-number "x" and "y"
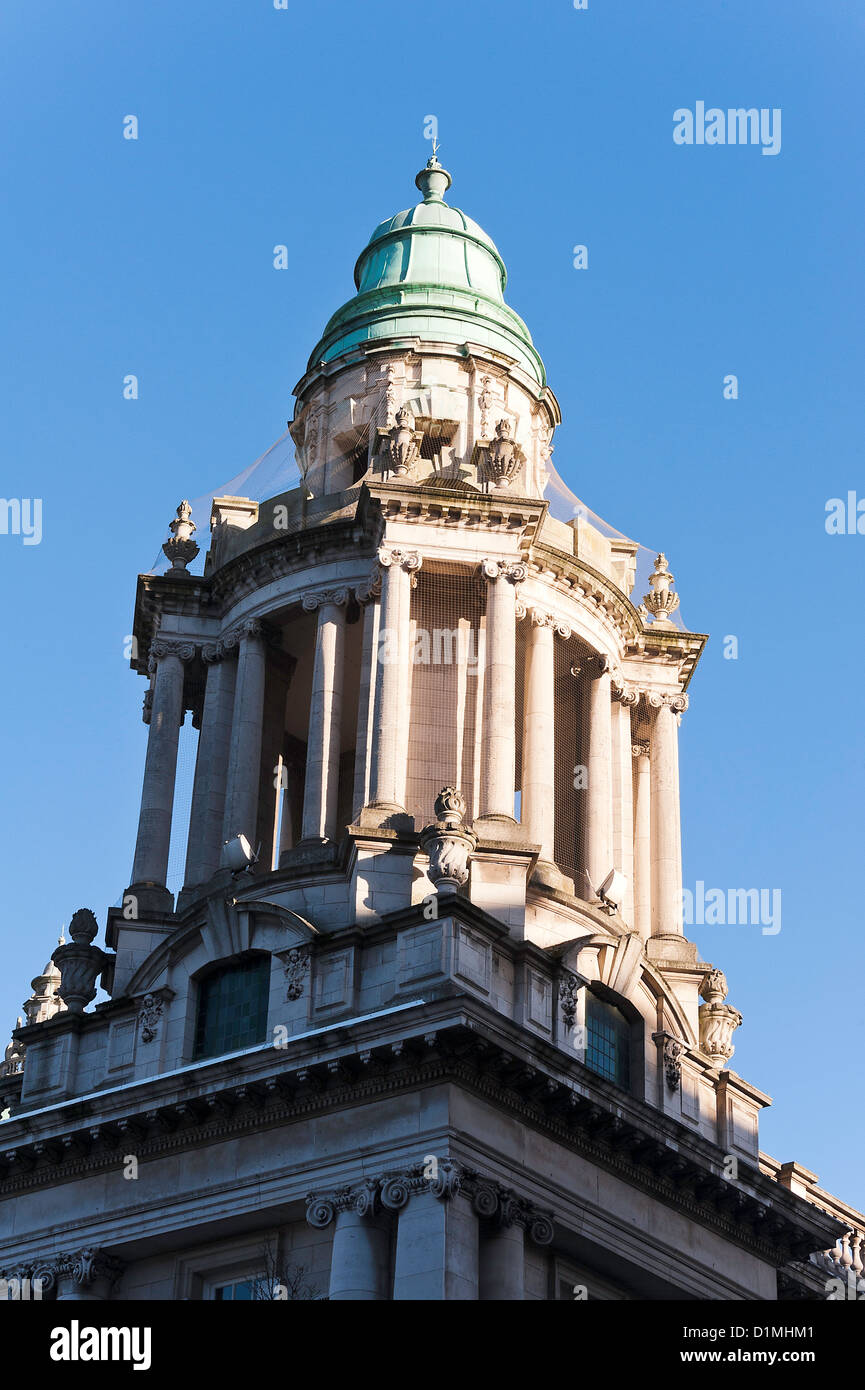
{"x": 549, "y": 876}
{"x": 150, "y": 898}
{"x": 504, "y": 829}
{"x": 385, "y": 815}
{"x": 672, "y": 947}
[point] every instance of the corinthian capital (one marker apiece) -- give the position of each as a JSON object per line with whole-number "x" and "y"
{"x": 622, "y": 691}
{"x": 516, "y": 572}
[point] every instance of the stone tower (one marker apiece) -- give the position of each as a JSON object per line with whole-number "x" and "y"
{"x": 422, "y": 1022}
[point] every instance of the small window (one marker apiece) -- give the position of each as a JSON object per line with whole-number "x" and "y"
{"x": 232, "y": 1008}
{"x": 608, "y": 1042}
{"x": 242, "y": 1291}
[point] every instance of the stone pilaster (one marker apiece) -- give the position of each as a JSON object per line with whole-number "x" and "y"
{"x": 537, "y": 807}
{"x": 642, "y": 840}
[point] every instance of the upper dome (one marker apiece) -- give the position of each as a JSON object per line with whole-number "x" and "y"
{"x": 432, "y": 273}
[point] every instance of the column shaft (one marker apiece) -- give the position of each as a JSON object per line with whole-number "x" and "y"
{"x": 498, "y": 761}
{"x": 211, "y": 768}
{"x": 157, "y": 794}
{"x": 369, "y": 669}
{"x": 599, "y": 792}
{"x": 503, "y": 1265}
{"x": 623, "y": 804}
{"x": 539, "y": 767}
{"x": 436, "y": 1250}
{"x": 642, "y": 843}
{"x": 392, "y": 689}
{"x": 325, "y": 726}
{"x": 244, "y": 764}
{"x": 360, "y": 1263}
{"x": 666, "y": 841}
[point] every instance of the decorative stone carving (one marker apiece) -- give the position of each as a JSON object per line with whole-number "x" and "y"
{"x": 296, "y": 963}
{"x": 640, "y": 748}
{"x": 79, "y": 962}
{"x": 569, "y": 992}
{"x": 677, "y": 701}
{"x": 672, "y": 1052}
{"x": 13, "y": 1060}
{"x": 713, "y": 986}
{"x": 404, "y": 443}
{"x": 485, "y": 402}
{"x": 515, "y": 573}
{"x": 449, "y": 842}
{"x": 390, "y": 399}
{"x": 319, "y": 597}
{"x": 147, "y": 706}
{"x": 660, "y": 602}
{"x": 408, "y": 559}
{"x": 167, "y": 646}
{"x": 623, "y": 691}
{"x": 148, "y": 1017}
{"x": 503, "y": 458}
{"x": 181, "y": 550}
{"x": 718, "y": 1022}
{"x": 88, "y": 1267}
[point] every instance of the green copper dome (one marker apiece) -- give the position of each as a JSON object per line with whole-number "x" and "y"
{"x": 430, "y": 273}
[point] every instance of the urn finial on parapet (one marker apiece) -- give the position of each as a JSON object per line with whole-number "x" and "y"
{"x": 181, "y": 550}
{"x": 449, "y": 842}
{"x": 404, "y": 443}
{"x": 79, "y": 963}
{"x": 661, "y": 602}
{"x": 718, "y": 1021}
{"x": 503, "y": 457}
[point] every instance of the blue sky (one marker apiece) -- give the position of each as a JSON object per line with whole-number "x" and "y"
{"x": 304, "y": 127}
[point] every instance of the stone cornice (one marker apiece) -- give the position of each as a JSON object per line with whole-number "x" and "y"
{"x": 485, "y": 1054}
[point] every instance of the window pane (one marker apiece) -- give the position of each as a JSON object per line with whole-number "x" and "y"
{"x": 607, "y": 1042}
{"x": 232, "y": 1008}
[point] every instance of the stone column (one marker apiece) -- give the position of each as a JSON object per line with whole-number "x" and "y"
{"x": 503, "y": 1264}
{"x": 368, "y": 597}
{"x": 625, "y": 698}
{"x": 392, "y": 688}
{"x": 642, "y": 841}
{"x": 150, "y": 866}
{"x": 436, "y": 1248}
{"x": 244, "y": 764}
{"x": 599, "y": 771}
{"x": 211, "y": 768}
{"x": 498, "y": 755}
{"x": 537, "y": 813}
{"x": 360, "y": 1260}
{"x": 666, "y": 833}
{"x": 325, "y": 716}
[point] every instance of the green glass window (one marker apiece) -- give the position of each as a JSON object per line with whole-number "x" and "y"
{"x": 232, "y": 1008}
{"x": 244, "y": 1290}
{"x": 608, "y": 1042}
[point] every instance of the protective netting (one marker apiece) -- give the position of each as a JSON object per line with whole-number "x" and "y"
{"x": 276, "y": 471}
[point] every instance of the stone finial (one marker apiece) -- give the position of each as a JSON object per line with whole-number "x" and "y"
{"x": 80, "y": 962}
{"x": 503, "y": 457}
{"x": 713, "y": 986}
{"x": 660, "y": 602}
{"x": 45, "y": 1000}
{"x": 449, "y": 842}
{"x": 718, "y": 1023}
{"x": 13, "y": 1058}
{"x": 181, "y": 549}
{"x": 404, "y": 442}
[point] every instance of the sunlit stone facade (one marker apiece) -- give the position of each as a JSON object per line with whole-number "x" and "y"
{"x": 444, "y": 1039}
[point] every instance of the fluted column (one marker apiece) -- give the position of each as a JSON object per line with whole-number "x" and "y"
{"x": 321, "y": 787}
{"x": 150, "y": 866}
{"x": 211, "y": 767}
{"x": 244, "y": 764}
{"x": 498, "y": 755}
{"x": 599, "y": 771}
{"x": 642, "y": 840}
{"x": 666, "y": 832}
{"x": 392, "y": 685}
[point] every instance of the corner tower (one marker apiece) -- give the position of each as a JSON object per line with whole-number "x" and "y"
{"x": 425, "y": 995}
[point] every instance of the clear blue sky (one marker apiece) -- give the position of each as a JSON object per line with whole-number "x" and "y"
{"x": 304, "y": 127}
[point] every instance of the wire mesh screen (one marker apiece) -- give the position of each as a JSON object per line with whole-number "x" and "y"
{"x": 446, "y": 688}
